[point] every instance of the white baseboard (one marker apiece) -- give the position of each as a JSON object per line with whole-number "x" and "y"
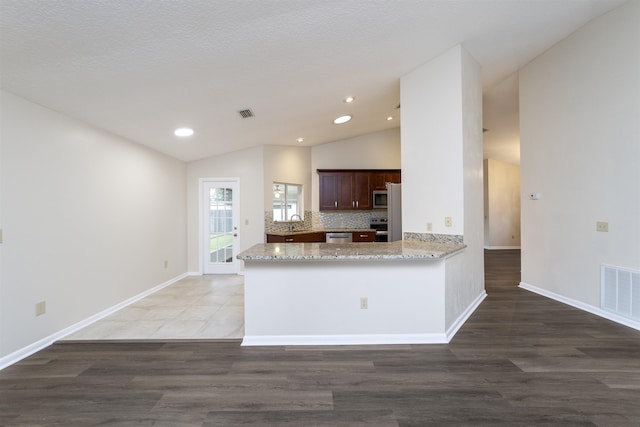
{"x": 453, "y": 329}
{"x": 491, "y": 248}
{"x": 197, "y": 273}
{"x": 18, "y": 355}
{"x": 279, "y": 340}
{"x": 582, "y": 306}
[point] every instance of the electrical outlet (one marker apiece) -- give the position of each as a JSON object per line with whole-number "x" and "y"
{"x": 447, "y": 221}
{"x": 364, "y": 303}
{"x": 429, "y": 226}
{"x": 41, "y": 308}
{"x": 602, "y": 226}
{"x": 166, "y": 264}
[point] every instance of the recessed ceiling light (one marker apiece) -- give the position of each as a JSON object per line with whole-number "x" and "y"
{"x": 183, "y": 132}
{"x": 300, "y": 139}
{"x": 389, "y": 118}
{"x": 349, "y": 99}
{"x": 342, "y": 119}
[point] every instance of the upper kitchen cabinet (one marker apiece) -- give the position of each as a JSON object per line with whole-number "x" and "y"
{"x": 341, "y": 190}
{"x": 362, "y": 190}
{"x": 351, "y": 189}
{"x": 380, "y": 178}
{"x": 335, "y": 191}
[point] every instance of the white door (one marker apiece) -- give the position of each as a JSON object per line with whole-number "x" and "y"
{"x": 220, "y": 202}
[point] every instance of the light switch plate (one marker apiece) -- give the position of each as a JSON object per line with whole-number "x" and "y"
{"x": 41, "y": 308}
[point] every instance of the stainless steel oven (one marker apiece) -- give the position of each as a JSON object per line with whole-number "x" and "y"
{"x": 381, "y": 226}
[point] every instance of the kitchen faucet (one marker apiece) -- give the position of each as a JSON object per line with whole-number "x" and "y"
{"x": 291, "y": 221}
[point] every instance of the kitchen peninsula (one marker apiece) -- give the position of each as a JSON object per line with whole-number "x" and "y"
{"x": 353, "y": 293}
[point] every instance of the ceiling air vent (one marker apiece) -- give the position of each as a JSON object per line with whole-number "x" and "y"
{"x": 246, "y": 113}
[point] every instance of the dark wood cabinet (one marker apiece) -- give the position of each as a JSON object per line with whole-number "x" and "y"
{"x": 363, "y": 236}
{"x": 346, "y": 189}
{"x": 336, "y": 191}
{"x": 311, "y": 237}
{"x": 318, "y": 237}
{"x": 361, "y": 190}
{"x": 342, "y": 190}
{"x": 380, "y": 178}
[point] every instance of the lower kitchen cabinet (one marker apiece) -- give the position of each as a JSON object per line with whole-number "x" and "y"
{"x": 364, "y": 236}
{"x": 311, "y": 237}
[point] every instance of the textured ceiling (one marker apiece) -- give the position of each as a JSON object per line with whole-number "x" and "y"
{"x": 139, "y": 69}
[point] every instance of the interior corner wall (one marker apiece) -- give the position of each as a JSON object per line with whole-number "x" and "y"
{"x": 377, "y": 150}
{"x": 290, "y": 165}
{"x": 432, "y": 163}
{"x": 502, "y": 200}
{"x": 580, "y": 133}
{"x": 88, "y": 221}
{"x": 248, "y": 166}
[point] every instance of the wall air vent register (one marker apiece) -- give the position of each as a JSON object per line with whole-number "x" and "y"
{"x": 246, "y": 113}
{"x": 620, "y": 289}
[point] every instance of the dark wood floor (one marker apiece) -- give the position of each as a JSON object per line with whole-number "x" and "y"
{"x": 520, "y": 360}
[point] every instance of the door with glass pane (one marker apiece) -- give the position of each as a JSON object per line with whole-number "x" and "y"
{"x": 220, "y": 200}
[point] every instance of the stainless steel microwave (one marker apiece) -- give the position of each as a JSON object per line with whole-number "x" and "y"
{"x": 380, "y": 199}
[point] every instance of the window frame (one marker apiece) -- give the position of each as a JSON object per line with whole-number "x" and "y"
{"x": 285, "y": 202}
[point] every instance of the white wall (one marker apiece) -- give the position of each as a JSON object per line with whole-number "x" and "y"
{"x": 580, "y": 148}
{"x": 248, "y": 166}
{"x": 502, "y": 205}
{"x": 291, "y": 165}
{"x": 88, "y": 221}
{"x": 432, "y": 165}
{"x": 378, "y": 150}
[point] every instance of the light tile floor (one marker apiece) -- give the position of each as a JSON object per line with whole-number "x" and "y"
{"x": 197, "y": 307}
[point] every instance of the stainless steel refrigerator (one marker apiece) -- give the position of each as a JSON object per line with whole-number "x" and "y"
{"x": 394, "y": 211}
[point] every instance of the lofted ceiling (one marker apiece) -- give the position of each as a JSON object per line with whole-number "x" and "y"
{"x": 141, "y": 68}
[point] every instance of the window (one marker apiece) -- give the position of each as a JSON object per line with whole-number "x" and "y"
{"x": 287, "y": 201}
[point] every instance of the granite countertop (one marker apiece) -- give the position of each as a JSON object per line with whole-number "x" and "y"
{"x": 319, "y": 230}
{"x": 400, "y": 250}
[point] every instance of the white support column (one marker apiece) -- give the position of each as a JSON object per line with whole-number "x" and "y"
{"x": 441, "y": 140}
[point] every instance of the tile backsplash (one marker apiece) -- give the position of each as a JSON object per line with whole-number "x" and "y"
{"x": 349, "y": 219}
{"x": 431, "y": 237}
{"x": 326, "y": 220}
{"x": 270, "y": 225}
